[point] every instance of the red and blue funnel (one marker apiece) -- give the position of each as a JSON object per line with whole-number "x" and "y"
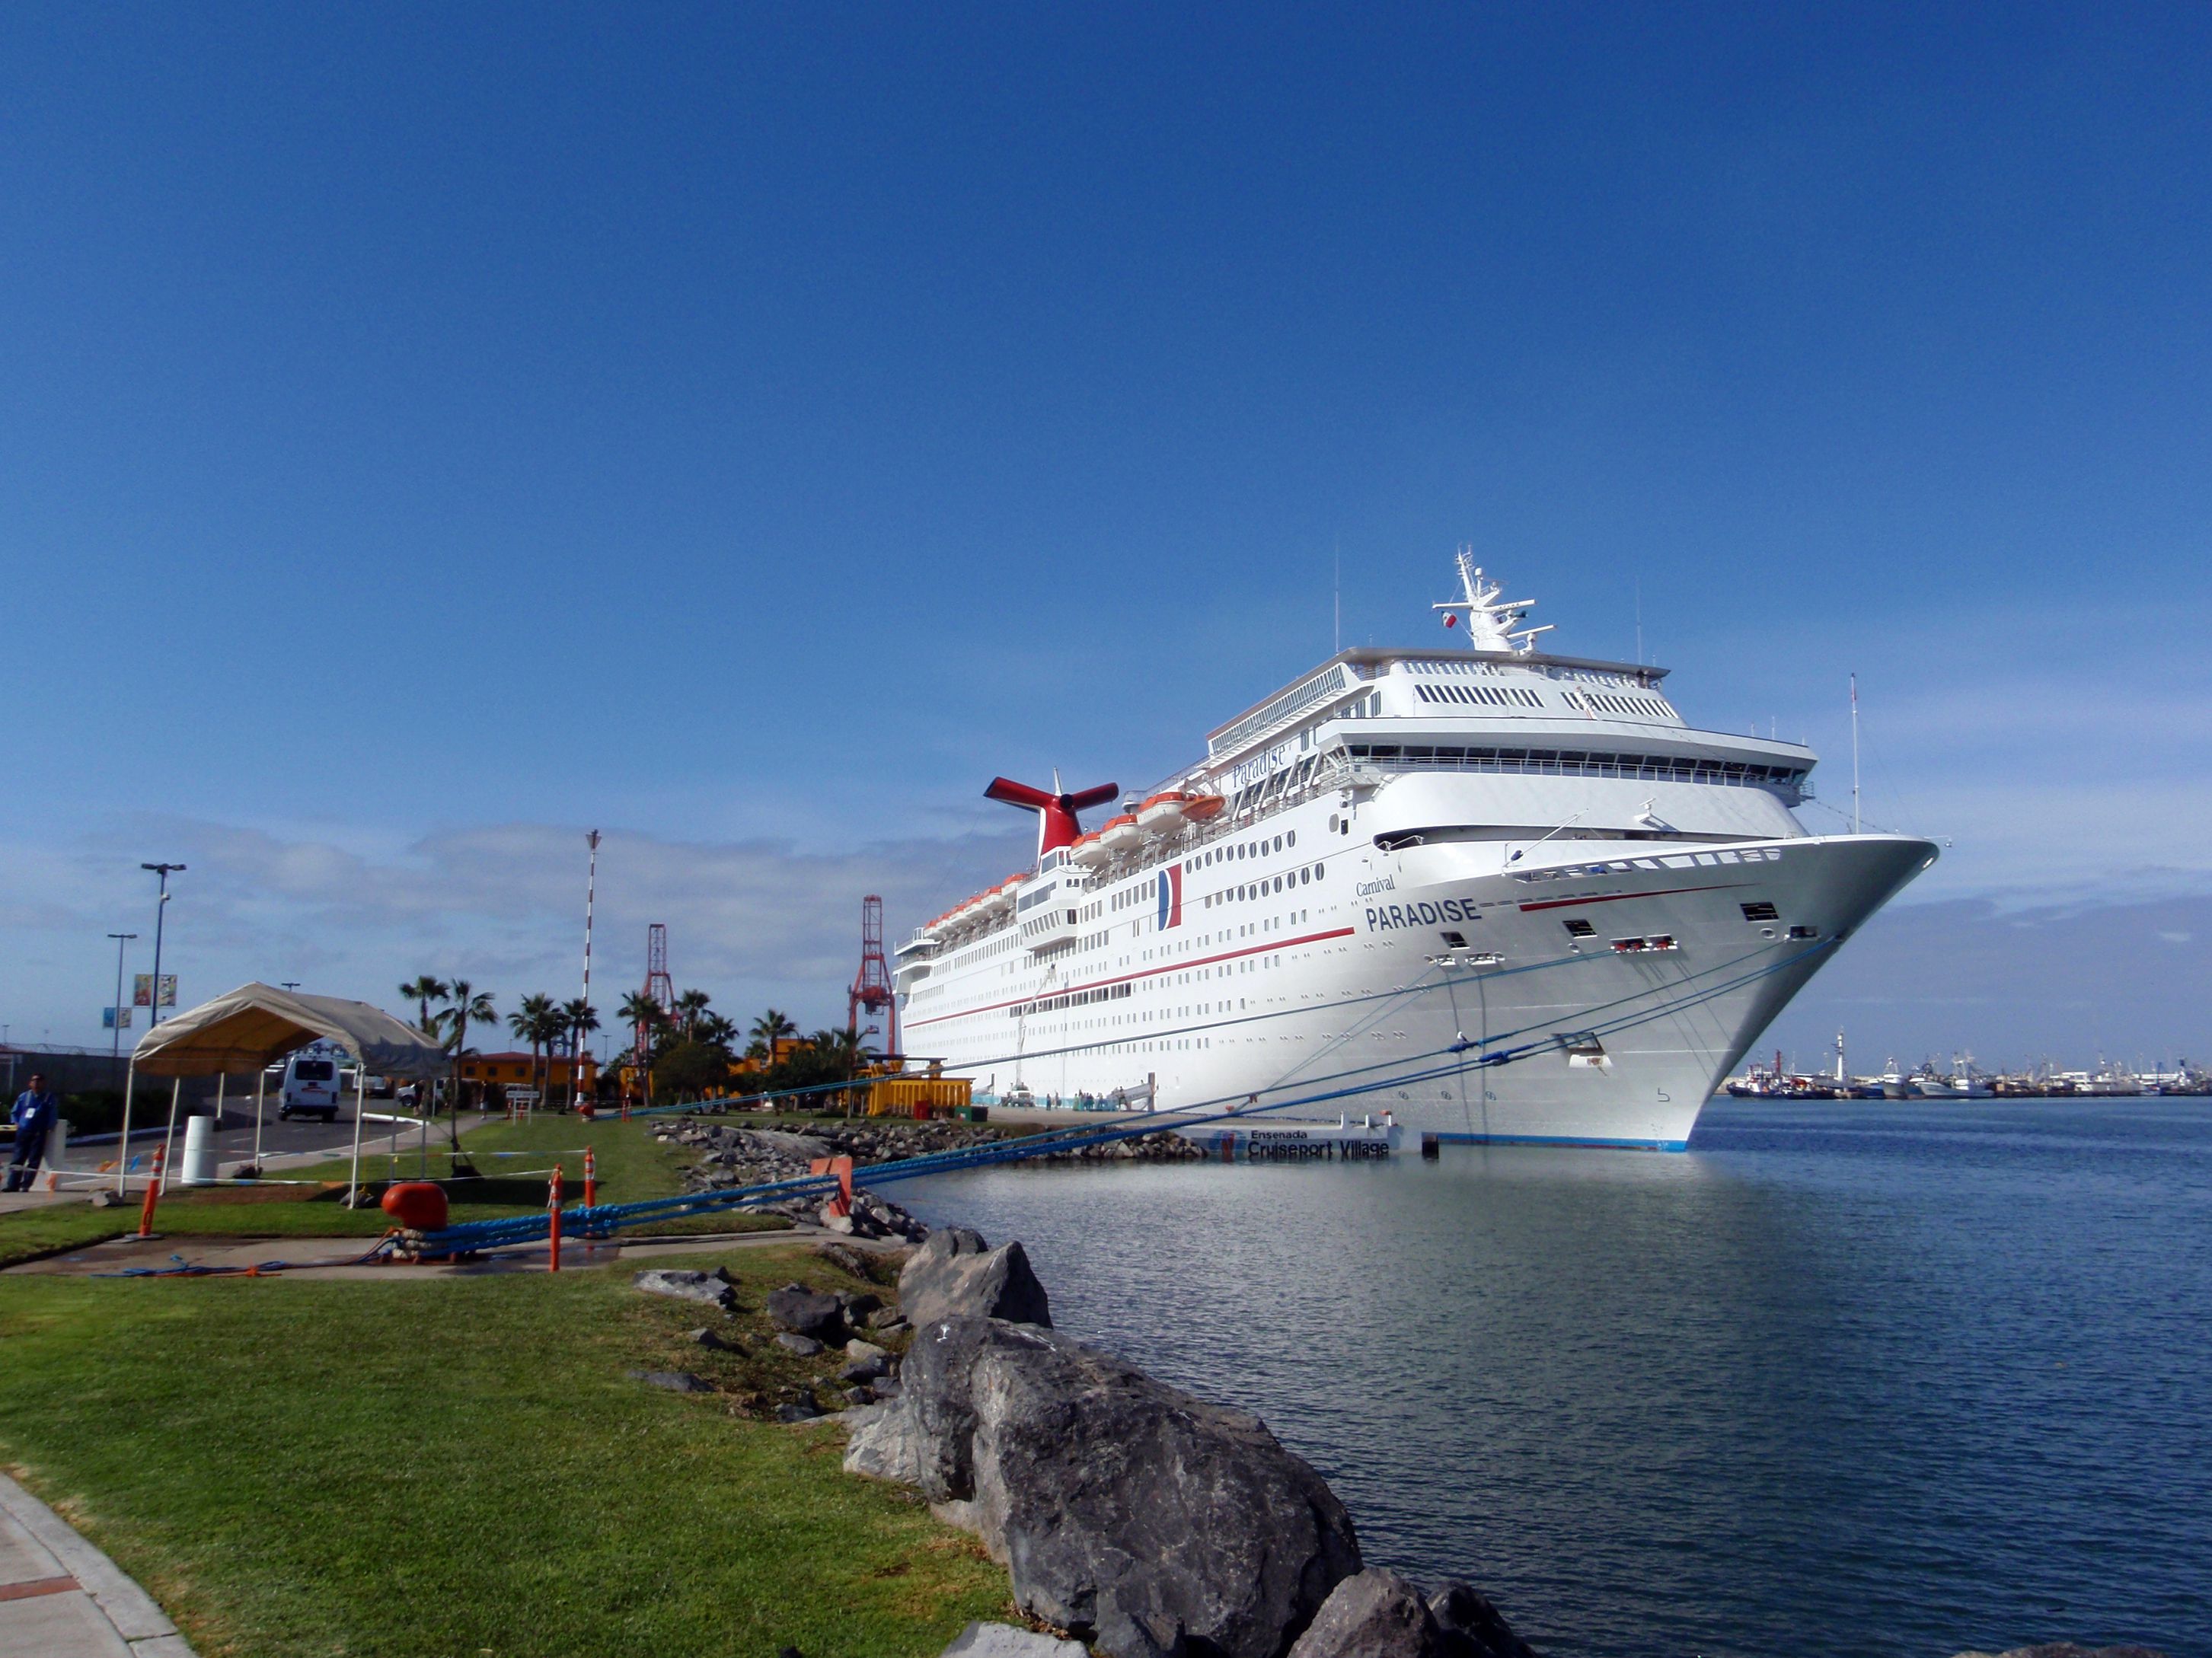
{"x": 1057, "y": 825}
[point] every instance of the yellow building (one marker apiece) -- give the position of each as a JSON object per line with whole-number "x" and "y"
{"x": 752, "y": 1065}
{"x": 521, "y": 1070}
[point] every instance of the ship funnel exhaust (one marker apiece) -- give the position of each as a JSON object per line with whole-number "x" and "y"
{"x": 1057, "y": 825}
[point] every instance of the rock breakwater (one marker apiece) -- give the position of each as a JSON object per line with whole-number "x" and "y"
{"x": 1147, "y": 1521}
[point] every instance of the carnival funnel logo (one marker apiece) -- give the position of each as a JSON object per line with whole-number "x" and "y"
{"x": 1170, "y": 897}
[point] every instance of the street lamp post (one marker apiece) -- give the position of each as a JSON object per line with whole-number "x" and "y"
{"x": 121, "y": 938}
{"x": 161, "y": 872}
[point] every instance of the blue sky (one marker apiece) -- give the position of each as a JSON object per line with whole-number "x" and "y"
{"x": 425, "y": 433}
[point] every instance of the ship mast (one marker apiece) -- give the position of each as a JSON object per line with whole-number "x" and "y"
{"x": 1491, "y": 621}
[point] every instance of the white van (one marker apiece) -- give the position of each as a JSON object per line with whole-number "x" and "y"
{"x": 311, "y": 1083}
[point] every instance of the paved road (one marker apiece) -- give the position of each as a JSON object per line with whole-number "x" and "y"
{"x": 306, "y": 1135}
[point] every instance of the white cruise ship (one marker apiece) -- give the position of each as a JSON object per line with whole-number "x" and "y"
{"x": 1505, "y": 894}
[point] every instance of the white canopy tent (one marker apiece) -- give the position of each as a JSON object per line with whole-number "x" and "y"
{"x": 256, "y": 1024}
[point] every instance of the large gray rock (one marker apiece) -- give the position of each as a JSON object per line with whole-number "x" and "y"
{"x": 806, "y": 1312}
{"x": 688, "y": 1286}
{"x": 1373, "y": 1614}
{"x": 1005, "y": 1640}
{"x": 1149, "y": 1521}
{"x": 957, "y": 1275}
{"x": 1378, "y": 1614}
{"x": 1473, "y": 1627}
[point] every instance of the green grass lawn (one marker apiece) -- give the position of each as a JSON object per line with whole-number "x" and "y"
{"x": 629, "y": 1164}
{"x": 416, "y": 1467}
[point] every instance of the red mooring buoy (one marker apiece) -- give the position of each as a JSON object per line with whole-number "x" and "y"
{"x": 417, "y": 1205}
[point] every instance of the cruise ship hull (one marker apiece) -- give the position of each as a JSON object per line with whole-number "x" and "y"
{"x": 1431, "y": 982}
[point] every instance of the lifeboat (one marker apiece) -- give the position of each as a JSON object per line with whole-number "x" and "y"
{"x": 997, "y": 899}
{"x": 1088, "y": 850}
{"x": 1203, "y": 806}
{"x": 1121, "y": 834}
{"x": 1163, "y": 813}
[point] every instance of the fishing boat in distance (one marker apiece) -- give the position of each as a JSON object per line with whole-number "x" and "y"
{"x": 1507, "y": 895}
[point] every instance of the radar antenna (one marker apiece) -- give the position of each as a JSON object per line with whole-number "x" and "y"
{"x": 1491, "y": 621}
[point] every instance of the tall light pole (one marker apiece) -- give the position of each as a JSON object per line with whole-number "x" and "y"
{"x": 116, "y": 1047}
{"x": 577, "y": 1049}
{"x": 161, "y": 872}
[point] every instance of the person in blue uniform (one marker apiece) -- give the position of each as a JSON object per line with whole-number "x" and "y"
{"x": 33, "y": 1116}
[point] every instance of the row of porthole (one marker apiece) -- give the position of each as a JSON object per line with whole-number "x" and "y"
{"x": 1247, "y": 849}
{"x": 1304, "y": 874}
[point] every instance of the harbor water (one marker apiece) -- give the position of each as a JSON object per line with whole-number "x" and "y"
{"x": 1846, "y": 1378}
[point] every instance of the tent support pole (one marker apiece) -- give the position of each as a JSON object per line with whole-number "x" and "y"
{"x": 353, "y": 1185}
{"x": 123, "y": 1151}
{"x": 169, "y": 1139}
{"x": 260, "y": 1092}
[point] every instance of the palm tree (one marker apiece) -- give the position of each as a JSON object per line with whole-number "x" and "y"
{"x": 689, "y": 1006}
{"x": 715, "y": 1031}
{"x": 768, "y": 1030}
{"x": 422, "y": 990}
{"x": 531, "y": 1021}
{"x": 470, "y": 1006}
{"x": 579, "y": 1019}
{"x": 845, "y": 1054}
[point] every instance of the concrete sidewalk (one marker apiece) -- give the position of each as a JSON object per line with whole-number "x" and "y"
{"x": 61, "y": 1598}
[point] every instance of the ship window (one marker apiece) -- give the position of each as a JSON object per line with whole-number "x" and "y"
{"x": 1291, "y": 839}
{"x": 1579, "y": 929}
{"x": 1279, "y": 843}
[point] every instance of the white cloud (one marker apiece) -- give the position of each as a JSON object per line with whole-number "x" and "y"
{"x": 751, "y": 921}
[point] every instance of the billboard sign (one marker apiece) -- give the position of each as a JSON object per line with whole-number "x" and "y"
{"x": 115, "y": 1018}
{"x": 142, "y": 990}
